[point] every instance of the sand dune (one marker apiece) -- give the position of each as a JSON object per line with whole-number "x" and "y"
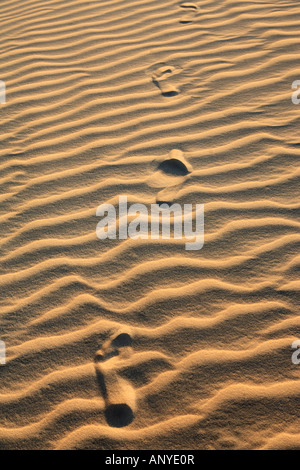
{"x": 140, "y": 344}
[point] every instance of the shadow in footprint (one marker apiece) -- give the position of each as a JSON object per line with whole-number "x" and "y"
{"x": 171, "y": 93}
{"x": 118, "y": 395}
{"x": 173, "y": 167}
{"x": 122, "y": 340}
{"x": 119, "y": 416}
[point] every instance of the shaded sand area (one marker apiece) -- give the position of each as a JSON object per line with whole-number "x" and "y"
{"x": 140, "y": 344}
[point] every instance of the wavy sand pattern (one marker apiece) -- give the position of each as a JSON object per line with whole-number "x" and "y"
{"x": 140, "y": 344}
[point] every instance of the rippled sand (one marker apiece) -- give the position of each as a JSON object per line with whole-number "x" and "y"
{"x": 141, "y": 344}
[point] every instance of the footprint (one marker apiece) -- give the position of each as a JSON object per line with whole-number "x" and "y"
{"x": 191, "y": 10}
{"x": 162, "y": 78}
{"x": 118, "y": 394}
{"x": 170, "y": 175}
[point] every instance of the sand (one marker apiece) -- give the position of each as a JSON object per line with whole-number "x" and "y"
{"x": 140, "y": 344}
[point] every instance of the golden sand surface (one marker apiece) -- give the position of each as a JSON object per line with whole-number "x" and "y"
{"x": 141, "y": 344}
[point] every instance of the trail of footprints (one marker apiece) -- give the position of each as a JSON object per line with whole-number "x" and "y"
{"x": 171, "y": 173}
{"x": 163, "y": 76}
{"x": 118, "y": 394}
